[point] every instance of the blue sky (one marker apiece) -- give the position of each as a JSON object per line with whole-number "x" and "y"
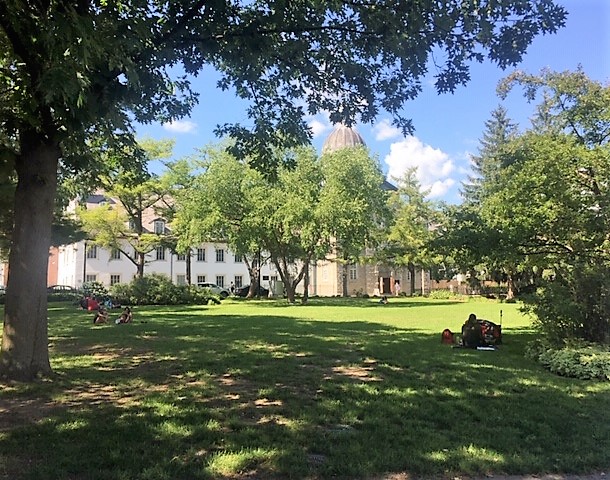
{"x": 447, "y": 127}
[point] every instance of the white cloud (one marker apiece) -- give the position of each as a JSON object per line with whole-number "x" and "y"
{"x": 434, "y": 166}
{"x": 180, "y": 126}
{"x": 318, "y": 127}
{"x": 384, "y": 130}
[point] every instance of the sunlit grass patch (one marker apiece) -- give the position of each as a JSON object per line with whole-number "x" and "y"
{"x": 234, "y": 463}
{"x": 264, "y": 390}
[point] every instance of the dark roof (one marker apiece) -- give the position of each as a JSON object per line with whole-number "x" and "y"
{"x": 388, "y": 187}
{"x": 96, "y": 198}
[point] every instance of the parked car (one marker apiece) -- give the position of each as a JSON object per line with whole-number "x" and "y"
{"x": 61, "y": 289}
{"x": 243, "y": 291}
{"x": 215, "y": 289}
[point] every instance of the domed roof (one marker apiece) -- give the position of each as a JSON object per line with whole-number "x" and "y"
{"x": 342, "y": 137}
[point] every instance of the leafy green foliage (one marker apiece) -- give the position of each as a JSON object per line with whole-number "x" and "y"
{"x": 75, "y": 75}
{"x": 95, "y": 289}
{"x": 574, "y": 359}
{"x": 546, "y": 208}
{"x": 156, "y": 289}
{"x": 310, "y": 207}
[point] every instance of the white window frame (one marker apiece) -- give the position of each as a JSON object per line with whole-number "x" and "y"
{"x": 159, "y": 226}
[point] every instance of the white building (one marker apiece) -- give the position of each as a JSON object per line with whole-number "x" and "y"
{"x": 81, "y": 262}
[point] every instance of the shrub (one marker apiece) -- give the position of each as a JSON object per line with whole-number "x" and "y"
{"x": 443, "y": 294}
{"x": 573, "y": 305}
{"x": 578, "y": 360}
{"x": 95, "y": 290}
{"x": 156, "y": 289}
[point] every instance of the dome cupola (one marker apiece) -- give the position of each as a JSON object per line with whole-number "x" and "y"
{"x": 342, "y": 137}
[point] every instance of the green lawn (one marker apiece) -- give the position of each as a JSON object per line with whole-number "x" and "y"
{"x": 337, "y": 388}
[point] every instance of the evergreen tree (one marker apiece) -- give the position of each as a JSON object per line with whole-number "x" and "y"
{"x": 499, "y": 130}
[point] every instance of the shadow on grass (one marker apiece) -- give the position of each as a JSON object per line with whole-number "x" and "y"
{"x": 195, "y": 396}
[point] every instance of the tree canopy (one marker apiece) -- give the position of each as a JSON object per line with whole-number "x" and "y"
{"x": 75, "y": 75}
{"x": 546, "y": 208}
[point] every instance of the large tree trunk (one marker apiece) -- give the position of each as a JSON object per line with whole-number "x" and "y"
{"x": 25, "y": 352}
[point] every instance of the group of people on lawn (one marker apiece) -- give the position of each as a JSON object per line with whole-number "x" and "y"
{"x": 101, "y": 316}
{"x": 91, "y": 304}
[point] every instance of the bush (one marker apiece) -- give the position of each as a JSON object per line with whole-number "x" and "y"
{"x": 443, "y": 294}
{"x": 156, "y": 289}
{"x": 95, "y": 290}
{"x": 577, "y": 360}
{"x": 573, "y": 305}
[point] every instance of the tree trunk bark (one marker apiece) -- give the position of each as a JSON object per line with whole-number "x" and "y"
{"x": 411, "y": 268}
{"x": 305, "y": 297}
{"x": 510, "y": 288}
{"x": 344, "y": 273}
{"x": 189, "y": 273}
{"x": 141, "y": 263}
{"x": 25, "y": 350}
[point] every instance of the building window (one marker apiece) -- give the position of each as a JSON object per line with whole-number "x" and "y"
{"x": 114, "y": 279}
{"x": 220, "y": 255}
{"x": 239, "y": 281}
{"x": 220, "y": 281}
{"x": 181, "y": 257}
{"x": 159, "y": 227}
{"x": 353, "y": 272}
{"x": 160, "y": 251}
{"x": 92, "y": 251}
{"x": 201, "y": 254}
{"x": 239, "y": 258}
{"x": 181, "y": 279}
{"x": 131, "y": 224}
{"x": 91, "y": 278}
{"x": 115, "y": 254}
{"x": 200, "y": 278}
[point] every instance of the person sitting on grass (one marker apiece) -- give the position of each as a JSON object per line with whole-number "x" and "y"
{"x": 126, "y": 316}
{"x": 384, "y": 300}
{"x": 471, "y": 332}
{"x": 101, "y": 316}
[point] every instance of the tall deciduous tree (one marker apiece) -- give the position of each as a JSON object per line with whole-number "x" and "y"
{"x": 353, "y": 204}
{"x": 220, "y": 203}
{"x": 553, "y": 201}
{"x": 72, "y": 70}
{"x": 122, "y": 227}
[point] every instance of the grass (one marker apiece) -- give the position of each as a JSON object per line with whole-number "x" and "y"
{"x": 338, "y": 388}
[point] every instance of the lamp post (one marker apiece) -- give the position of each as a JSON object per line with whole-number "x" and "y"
{"x": 84, "y": 263}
